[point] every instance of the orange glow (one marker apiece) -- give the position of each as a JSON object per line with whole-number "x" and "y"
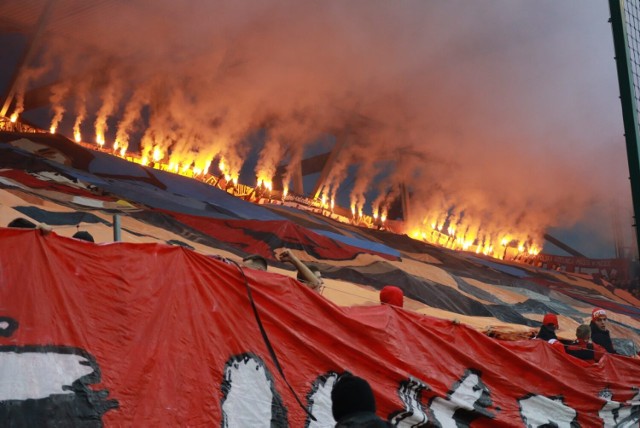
{"x": 100, "y": 139}
{"x": 52, "y": 130}
{"x": 14, "y": 117}
{"x": 77, "y": 136}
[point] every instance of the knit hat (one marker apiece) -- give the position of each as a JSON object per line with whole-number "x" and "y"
{"x": 351, "y": 394}
{"x": 391, "y": 295}
{"x": 550, "y": 319}
{"x": 598, "y": 313}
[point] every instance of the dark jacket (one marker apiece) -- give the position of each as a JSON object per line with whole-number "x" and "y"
{"x": 591, "y": 352}
{"x": 546, "y": 333}
{"x": 362, "y": 420}
{"x": 602, "y": 338}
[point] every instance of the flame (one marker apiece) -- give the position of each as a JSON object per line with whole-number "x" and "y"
{"x": 285, "y": 192}
{"x": 157, "y": 154}
{"x": 100, "y": 139}
{"x": 333, "y": 203}
{"x": 123, "y": 151}
{"x": 77, "y": 136}
{"x": 383, "y": 217}
{"x": 52, "y": 130}
{"x": 144, "y": 160}
{"x": 14, "y": 117}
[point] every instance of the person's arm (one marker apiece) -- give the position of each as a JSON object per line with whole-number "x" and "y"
{"x": 311, "y": 279}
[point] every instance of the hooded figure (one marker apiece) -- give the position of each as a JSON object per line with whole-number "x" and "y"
{"x": 599, "y": 332}
{"x": 353, "y": 404}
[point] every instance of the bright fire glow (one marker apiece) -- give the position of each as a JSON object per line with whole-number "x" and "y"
{"x": 100, "y": 139}
{"x": 14, "y": 117}
{"x": 157, "y": 154}
{"x": 52, "y": 130}
{"x": 77, "y": 136}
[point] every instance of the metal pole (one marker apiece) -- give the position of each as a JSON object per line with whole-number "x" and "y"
{"x": 629, "y": 108}
{"x": 116, "y": 228}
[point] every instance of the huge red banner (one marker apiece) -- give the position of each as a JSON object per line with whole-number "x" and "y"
{"x": 152, "y": 335}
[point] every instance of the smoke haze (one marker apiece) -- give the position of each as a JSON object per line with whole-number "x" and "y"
{"x": 500, "y": 116}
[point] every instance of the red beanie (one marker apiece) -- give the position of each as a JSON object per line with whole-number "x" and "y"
{"x": 598, "y": 313}
{"x": 391, "y": 295}
{"x": 550, "y": 319}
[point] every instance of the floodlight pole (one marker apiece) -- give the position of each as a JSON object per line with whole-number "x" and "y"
{"x": 628, "y": 101}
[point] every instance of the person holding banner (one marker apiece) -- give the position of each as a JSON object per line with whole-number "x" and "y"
{"x": 583, "y": 348}
{"x": 599, "y": 332}
{"x": 548, "y": 331}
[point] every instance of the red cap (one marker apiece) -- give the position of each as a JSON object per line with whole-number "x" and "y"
{"x": 550, "y": 319}
{"x": 598, "y": 313}
{"x": 392, "y": 295}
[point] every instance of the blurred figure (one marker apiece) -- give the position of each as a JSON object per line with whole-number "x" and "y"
{"x": 353, "y": 404}
{"x": 392, "y": 295}
{"x": 583, "y": 348}
{"x": 84, "y": 236}
{"x": 308, "y": 275}
{"x": 599, "y": 332}
{"x": 22, "y": 223}
{"x": 255, "y": 261}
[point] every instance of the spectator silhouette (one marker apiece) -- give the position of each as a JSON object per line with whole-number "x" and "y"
{"x": 83, "y": 235}
{"x": 308, "y": 275}
{"x": 22, "y": 223}
{"x": 353, "y": 404}
{"x": 255, "y": 261}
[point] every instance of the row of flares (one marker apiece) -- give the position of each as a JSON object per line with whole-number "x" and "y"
{"x": 436, "y": 228}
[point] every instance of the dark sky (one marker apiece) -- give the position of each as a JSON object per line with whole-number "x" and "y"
{"x": 501, "y": 114}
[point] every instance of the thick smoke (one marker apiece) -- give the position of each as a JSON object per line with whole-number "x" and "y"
{"x": 500, "y": 118}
